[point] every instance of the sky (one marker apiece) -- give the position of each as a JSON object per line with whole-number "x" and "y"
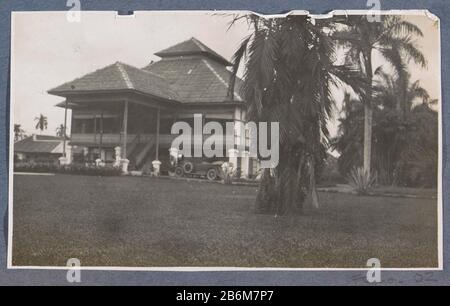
{"x": 48, "y": 50}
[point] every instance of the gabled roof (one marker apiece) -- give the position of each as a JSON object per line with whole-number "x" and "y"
{"x": 192, "y": 46}
{"x": 119, "y": 76}
{"x": 40, "y": 144}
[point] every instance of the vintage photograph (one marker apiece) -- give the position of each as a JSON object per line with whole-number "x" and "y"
{"x": 193, "y": 140}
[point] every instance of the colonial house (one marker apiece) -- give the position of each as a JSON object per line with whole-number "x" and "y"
{"x": 123, "y": 114}
{"x": 39, "y": 148}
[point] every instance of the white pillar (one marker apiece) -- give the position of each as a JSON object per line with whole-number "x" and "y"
{"x": 69, "y": 154}
{"x": 124, "y": 162}
{"x": 67, "y": 159}
{"x": 233, "y": 157}
{"x": 156, "y": 167}
{"x": 103, "y": 154}
{"x": 62, "y": 160}
{"x": 125, "y": 129}
{"x": 173, "y": 153}
{"x": 245, "y": 164}
{"x": 117, "y": 153}
{"x": 65, "y": 129}
{"x": 158, "y": 123}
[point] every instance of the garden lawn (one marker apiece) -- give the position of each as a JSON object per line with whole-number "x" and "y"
{"x": 161, "y": 222}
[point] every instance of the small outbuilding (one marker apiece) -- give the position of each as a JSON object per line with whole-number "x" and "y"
{"x": 39, "y": 148}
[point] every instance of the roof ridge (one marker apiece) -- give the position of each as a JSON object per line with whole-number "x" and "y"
{"x": 199, "y": 44}
{"x": 124, "y": 66}
{"x": 145, "y": 71}
{"x": 192, "y": 46}
{"x": 217, "y": 75}
{"x": 124, "y": 75}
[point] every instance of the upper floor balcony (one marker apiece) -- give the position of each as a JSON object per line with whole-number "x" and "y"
{"x": 117, "y": 139}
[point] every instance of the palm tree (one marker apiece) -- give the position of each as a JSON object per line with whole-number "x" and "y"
{"x": 402, "y": 136}
{"x": 41, "y": 122}
{"x": 402, "y": 99}
{"x": 392, "y": 38}
{"x": 396, "y": 91}
{"x": 61, "y": 131}
{"x": 19, "y": 133}
{"x": 288, "y": 75}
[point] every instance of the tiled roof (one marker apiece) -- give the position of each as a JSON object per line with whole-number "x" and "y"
{"x": 39, "y": 144}
{"x": 196, "y": 79}
{"x": 188, "y": 72}
{"x": 119, "y": 76}
{"x": 192, "y": 46}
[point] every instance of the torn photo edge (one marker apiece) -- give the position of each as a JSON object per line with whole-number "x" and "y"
{"x": 198, "y": 269}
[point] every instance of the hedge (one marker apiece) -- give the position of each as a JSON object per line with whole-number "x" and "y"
{"x": 40, "y": 167}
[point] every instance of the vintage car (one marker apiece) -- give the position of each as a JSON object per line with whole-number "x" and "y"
{"x": 197, "y": 167}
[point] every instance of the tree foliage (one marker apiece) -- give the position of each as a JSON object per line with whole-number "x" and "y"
{"x": 41, "y": 122}
{"x": 405, "y": 133}
{"x": 289, "y": 72}
{"x": 392, "y": 38}
{"x": 19, "y": 133}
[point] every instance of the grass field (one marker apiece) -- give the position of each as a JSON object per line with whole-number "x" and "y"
{"x": 150, "y": 222}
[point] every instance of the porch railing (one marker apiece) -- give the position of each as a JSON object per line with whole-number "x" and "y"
{"x": 117, "y": 139}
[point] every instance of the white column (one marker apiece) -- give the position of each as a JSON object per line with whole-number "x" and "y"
{"x": 125, "y": 129}
{"x": 67, "y": 159}
{"x": 124, "y": 161}
{"x": 117, "y": 151}
{"x": 245, "y": 164}
{"x": 69, "y": 154}
{"x": 156, "y": 167}
{"x": 173, "y": 153}
{"x": 156, "y": 163}
{"x": 233, "y": 157}
{"x": 65, "y": 129}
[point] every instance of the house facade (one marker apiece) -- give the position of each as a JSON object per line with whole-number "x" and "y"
{"x": 123, "y": 114}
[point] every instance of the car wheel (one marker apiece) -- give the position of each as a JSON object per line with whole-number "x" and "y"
{"x": 211, "y": 174}
{"x": 179, "y": 172}
{"x": 188, "y": 167}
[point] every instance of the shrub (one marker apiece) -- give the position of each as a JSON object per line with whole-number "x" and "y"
{"x": 228, "y": 173}
{"x": 90, "y": 170}
{"x": 69, "y": 169}
{"x": 36, "y": 167}
{"x": 361, "y": 180}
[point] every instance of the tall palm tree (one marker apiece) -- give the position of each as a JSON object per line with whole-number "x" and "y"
{"x": 288, "y": 75}
{"x": 392, "y": 37}
{"x": 41, "y": 122}
{"x": 18, "y": 132}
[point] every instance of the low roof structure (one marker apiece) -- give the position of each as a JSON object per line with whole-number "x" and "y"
{"x": 40, "y": 144}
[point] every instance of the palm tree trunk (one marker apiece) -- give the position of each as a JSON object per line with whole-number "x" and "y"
{"x": 312, "y": 184}
{"x": 368, "y": 113}
{"x": 264, "y": 197}
{"x": 367, "y": 137}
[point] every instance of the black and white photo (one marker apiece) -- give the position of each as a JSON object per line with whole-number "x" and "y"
{"x": 225, "y": 140}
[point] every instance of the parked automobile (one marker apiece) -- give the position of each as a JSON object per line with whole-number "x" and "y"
{"x": 197, "y": 167}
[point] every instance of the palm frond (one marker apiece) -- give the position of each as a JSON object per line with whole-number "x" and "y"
{"x": 236, "y": 61}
